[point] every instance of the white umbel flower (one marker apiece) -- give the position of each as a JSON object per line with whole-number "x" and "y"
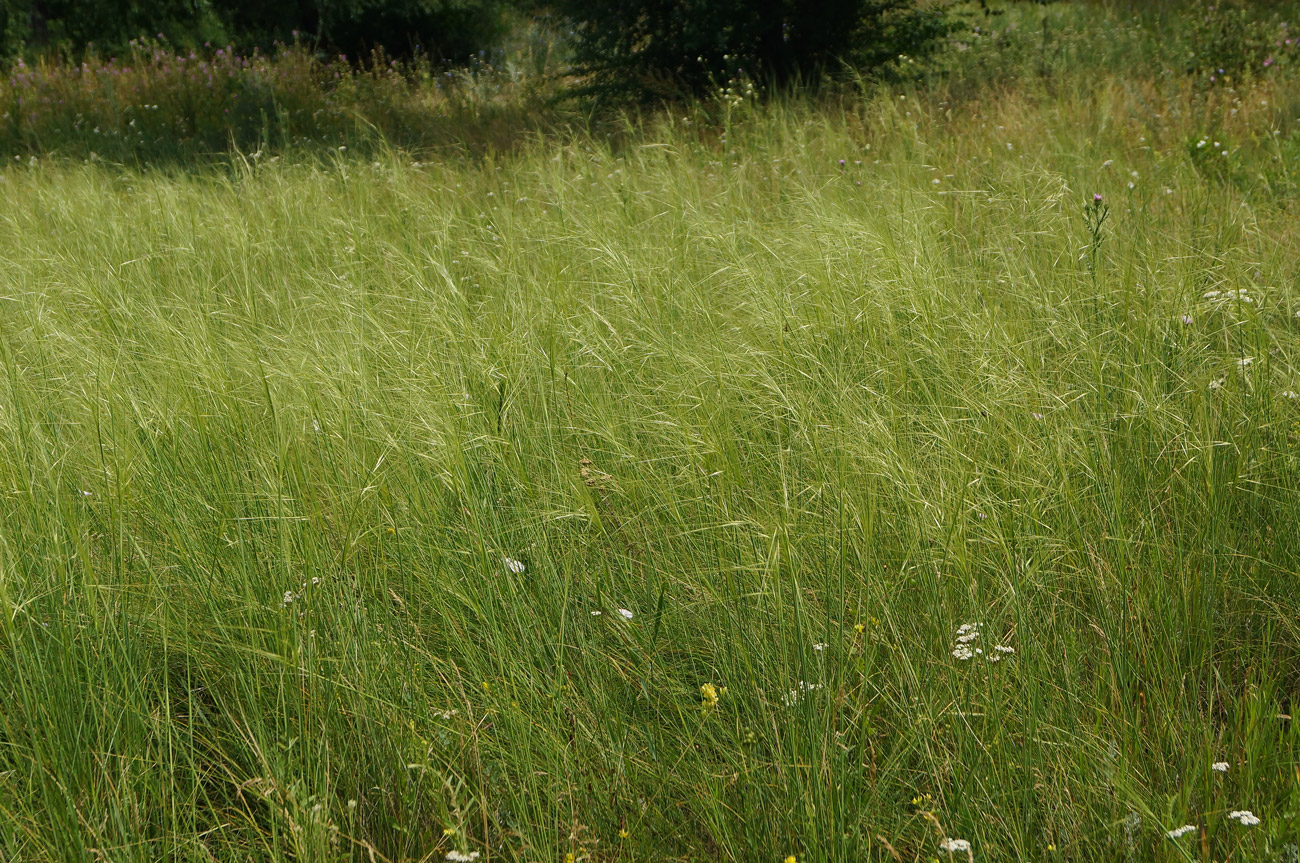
{"x": 1180, "y": 832}
{"x": 515, "y": 566}
{"x": 1219, "y": 767}
{"x": 955, "y": 846}
{"x": 1244, "y": 817}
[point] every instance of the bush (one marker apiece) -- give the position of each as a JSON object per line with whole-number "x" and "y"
{"x": 451, "y": 30}
{"x": 661, "y": 48}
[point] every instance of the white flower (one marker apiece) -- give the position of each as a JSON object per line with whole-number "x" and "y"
{"x": 1219, "y": 766}
{"x": 1290, "y": 394}
{"x": 515, "y": 566}
{"x": 967, "y": 638}
{"x": 1244, "y": 817}
{"x": 1000, "y": 651}
{"x": 819, "y": 646}
{"x": 954, "y": 846}
{"x": 791, "y": 698}
{"x": 1245, "y": 361}
{"x": 1216, "y": 384}
{"x": 289, "y": 597}
{"x": 461, "y": 856}
{"x": 625, "y": 613}
{"x": 962, "y": 652}
{"x": 968, "y": 627}
{"x": 1180, "y": 832}
{"x": 1200, "y": 143}
{"x": 596, "y": 613}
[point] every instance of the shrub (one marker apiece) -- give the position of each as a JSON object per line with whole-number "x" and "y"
{"x": 661, "y": 48}
{"x": 450, "y": 30}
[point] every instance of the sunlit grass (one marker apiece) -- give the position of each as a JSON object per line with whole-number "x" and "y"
{"x": 627, "y": 502}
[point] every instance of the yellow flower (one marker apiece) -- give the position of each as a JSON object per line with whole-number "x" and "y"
{"x": 860, "y": 627}
{"x": 623, "y": 834}
{"x": 568, "y": 858}
{"x": 1051, "y": 846}
{"x": 791, "y": 859}
{"x": 449, "y": 831}
{"x": 710, "y": 696}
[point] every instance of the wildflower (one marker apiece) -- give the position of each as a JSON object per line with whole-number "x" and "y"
{"x": 794, "y": 696}
{"x": 1217, "y": 383}
{"x": 1290, "y": 394}
{"x": 1187, "y": 319}
{"x": 1244, "y": 362}
{"x": 623, "y": 834}
{"x": 461, "y": 857}
{"x": 449, "y": 831}
{"x": 708, "y": 696}
{"x": 791, "y": 859}
{"x": 954, "y": 846}
{"x": 625, "y": 613}
{"x": 1180, "y": 832}
{"x": 1000, "y": 651}
{"x": 1244, "y": 817}
{"x": 962, "y": 652}
{"x": 1219, "y": 767}
{"x": 515, "y": 566}
{"x": 1037, "y": 416}
{"x": 289, "y": 597}
{"x": 819, "y": 646}
{"x": 1096, "y": 197}
{"x": 859, "y": 628}
{"x": 597, "y": 613}
{"x": 569, "y": 858}
{"x": 1200, "y": 143}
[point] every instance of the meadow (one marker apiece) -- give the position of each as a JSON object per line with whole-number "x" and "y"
{"x": 829, "y": 478}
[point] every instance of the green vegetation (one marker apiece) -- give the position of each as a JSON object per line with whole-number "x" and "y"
{"x": 445, "y": 29}
{"x": 327, "y": 476}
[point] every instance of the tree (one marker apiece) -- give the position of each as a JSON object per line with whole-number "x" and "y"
{"x": 659, "y": 48}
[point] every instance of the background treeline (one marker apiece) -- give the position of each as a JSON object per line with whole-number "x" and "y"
{"x": 450, "y": 30}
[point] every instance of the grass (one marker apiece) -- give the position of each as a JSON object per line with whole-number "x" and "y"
{"x": 269, "y": 436}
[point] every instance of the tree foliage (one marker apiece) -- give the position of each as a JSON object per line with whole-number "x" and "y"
{"x": 443, "y": 29}
{"x": 659, "y": 48}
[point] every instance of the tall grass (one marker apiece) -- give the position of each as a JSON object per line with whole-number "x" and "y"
{"x": 801, "y": 388}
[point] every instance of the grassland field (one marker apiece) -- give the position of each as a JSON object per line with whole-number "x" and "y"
{"x": 776, "y": 478}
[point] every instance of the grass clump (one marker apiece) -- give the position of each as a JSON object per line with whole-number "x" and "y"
{"x": 797, "y": 480}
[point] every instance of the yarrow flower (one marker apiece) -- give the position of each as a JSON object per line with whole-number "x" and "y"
{"x": 955, "y": 846}
{"x": 794, "y": 696}
{"x": 1000, "y": 651}
{"x": 461, "y": 856}
{"x": 1180, "y": 832}
{"x": 1244, "y": 817}
{"x": 515, "y": 566}
{"x": 819, "y": 646}
{"x": 289, "y": 597}
{"x": 1219, "y": 767}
